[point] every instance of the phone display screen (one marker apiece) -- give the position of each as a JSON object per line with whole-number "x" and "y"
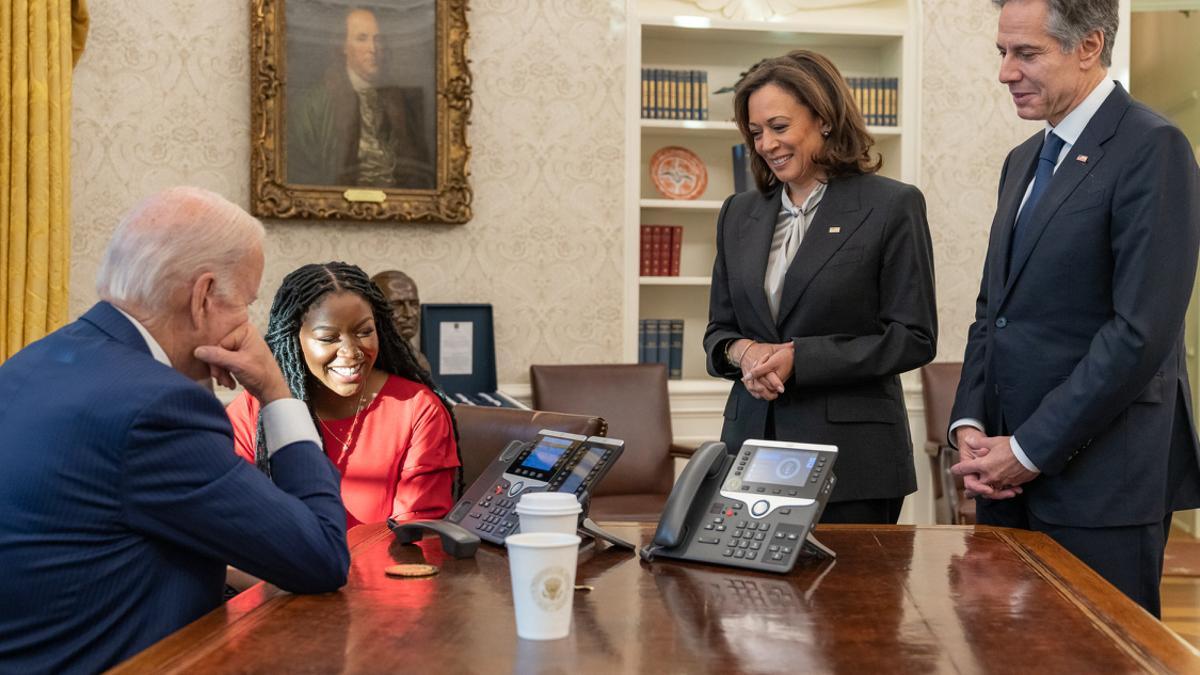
{"x": 546, "y": 453}
{"x": 581, "y": 470}
{"x": 779, "y": 466}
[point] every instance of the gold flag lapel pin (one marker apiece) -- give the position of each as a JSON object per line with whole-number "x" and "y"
{"x": 1082, "y": 159}
{"x": 835, "y": 230}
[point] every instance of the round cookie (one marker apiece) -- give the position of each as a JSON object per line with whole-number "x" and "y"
{"x": 410, "y": 570}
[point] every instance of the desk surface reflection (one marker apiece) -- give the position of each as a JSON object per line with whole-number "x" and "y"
{"x": 897, "y": 599}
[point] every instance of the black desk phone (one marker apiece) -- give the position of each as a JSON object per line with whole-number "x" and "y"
{"x": 553, "y": 461}
{"x": 753, "y": 509}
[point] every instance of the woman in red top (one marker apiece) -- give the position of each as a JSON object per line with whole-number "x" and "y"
{"x": 391, "y": 436}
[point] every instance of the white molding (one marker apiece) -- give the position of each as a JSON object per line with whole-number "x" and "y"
{"x": 698, "y": 388}
{"x": 675, "y": 281}
{"x": 775, "y": 29}
{"x": 768, "y": 11}
{"x": 696, "y": 127}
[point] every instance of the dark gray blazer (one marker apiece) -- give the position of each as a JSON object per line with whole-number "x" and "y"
{"x": 858, "y": 305}
{"x": 1078, "y": 350}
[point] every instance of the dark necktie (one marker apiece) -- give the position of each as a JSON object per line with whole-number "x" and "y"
{"x": 1051, "y": 146}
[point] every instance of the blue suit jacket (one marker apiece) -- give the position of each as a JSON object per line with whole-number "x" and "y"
{"x": 1078, "y": 349}
{"x": 122, "y": 501}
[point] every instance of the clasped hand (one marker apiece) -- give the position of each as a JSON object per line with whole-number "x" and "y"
{"x": 765, "y": 367}
{"x": 988, "y": 466}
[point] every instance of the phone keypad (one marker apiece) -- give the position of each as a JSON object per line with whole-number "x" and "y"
{"x": 494, "y": 512}
{"x": 751, "y": 540}
{"x": 748, "y": 536}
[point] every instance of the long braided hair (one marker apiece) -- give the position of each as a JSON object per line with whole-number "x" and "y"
{"x": 299, "y": 292}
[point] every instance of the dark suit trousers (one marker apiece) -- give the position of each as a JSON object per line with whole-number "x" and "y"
{"x": 1129, "y": 558}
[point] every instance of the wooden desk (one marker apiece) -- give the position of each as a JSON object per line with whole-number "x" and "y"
{"x": 897, "y": 600}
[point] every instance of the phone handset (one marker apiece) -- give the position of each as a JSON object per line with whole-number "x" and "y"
{"x": 704, "y": 466}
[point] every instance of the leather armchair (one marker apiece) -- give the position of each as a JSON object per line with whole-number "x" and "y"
{"x": 483, "y": 432}
{"x": 633, "y": 399}
{"x": 939, "y": 382}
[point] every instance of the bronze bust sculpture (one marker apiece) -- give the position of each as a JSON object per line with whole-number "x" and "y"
{"x": 401, "y": 293}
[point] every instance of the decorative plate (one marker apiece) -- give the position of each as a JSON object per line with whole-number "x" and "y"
{"x": 678, "y": 173}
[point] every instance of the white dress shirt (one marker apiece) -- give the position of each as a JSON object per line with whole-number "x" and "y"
{"x": 1069, "y": 130}
{"x": 285, "y": 421}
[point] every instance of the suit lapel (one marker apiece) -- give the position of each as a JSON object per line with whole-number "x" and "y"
{"x": 1024, "y": 163}
{"x": 754, "y": 238}
{"x": 838, "y": 216}
{"x": 1069, "y": 174}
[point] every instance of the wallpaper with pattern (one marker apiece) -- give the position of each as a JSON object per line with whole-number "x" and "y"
{"x": 968, "y": 125}
{"x": 161, "y": 98}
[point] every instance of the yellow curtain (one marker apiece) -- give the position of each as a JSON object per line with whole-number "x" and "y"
{"x": 40, "y": 41}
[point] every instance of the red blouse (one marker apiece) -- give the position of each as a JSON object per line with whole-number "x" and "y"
{"x": 401, "y": 461}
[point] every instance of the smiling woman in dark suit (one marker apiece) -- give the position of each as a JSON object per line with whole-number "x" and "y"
{"x": 822, "y": 289}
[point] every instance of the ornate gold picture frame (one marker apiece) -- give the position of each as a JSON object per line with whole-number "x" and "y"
{"x": 360, "y": 111}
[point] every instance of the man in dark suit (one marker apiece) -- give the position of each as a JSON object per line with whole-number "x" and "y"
{"x": 123, "y": 500}
{"x": 1073, "y": 414}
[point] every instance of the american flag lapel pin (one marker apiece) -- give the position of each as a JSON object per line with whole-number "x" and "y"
{"x": 835, "y": 230}
{"x": 1082, "y": 159}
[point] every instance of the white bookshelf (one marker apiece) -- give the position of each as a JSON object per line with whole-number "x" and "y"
{"x": 877, "y": 39}
{"x": 676, "y": 281}
{"x": 682, "y": 204}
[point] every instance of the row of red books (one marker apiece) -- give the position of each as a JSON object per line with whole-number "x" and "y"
{"x": 661, "y": 245}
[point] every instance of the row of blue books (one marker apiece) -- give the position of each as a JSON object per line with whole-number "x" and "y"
{"x": 674, "y": 94}
{"x": 877, "y": 98}
{"x": 661, "y": 341}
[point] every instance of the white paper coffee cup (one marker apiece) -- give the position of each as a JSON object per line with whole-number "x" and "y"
{"x": 548, "y": 512}
{"x": 542, "y": 567}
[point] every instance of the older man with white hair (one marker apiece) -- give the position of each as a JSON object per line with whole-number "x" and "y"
{"x": 123, "y": 500}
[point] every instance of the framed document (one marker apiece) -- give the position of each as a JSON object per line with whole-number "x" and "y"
{"x": 459, "y": 343}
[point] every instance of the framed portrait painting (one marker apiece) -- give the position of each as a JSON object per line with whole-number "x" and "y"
{"x": 359, "y": 111}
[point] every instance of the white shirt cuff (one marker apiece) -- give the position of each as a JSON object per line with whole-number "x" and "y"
{"x": 286, "y": 421}
{"x": 1021, "y": 456}
{"x": 964, "y": 422}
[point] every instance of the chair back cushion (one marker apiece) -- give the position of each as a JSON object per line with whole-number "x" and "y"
{"x": 939, "y": 382}
{"x": 483, "y": 432}
{"x": 633, "y": 399}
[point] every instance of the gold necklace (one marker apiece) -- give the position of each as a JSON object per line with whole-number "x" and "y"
{"x": 346, "y": 442}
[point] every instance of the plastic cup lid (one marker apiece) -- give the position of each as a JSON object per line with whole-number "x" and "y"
{"x": 548, "y": 503}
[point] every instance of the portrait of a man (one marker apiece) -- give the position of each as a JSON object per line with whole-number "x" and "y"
{"x": 360, "y": 95}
